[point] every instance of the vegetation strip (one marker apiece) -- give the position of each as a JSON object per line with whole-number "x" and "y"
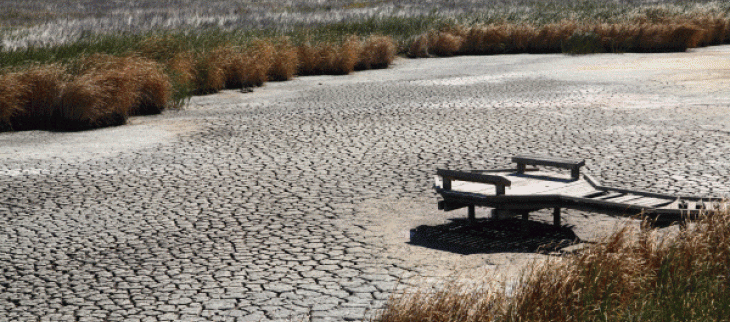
{"x": 119, "y": 76}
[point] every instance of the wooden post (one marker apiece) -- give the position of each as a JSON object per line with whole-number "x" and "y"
{"x": 525, "y": 215}
{"x": 447, "y": 183}
{"x": 495, "y": 214}
{"x": 556, "y": 217}
{"x": 520, "y": 168}
{"x": 500, "y": 189}
{"x": 575, "y": 173}
{"x": 472, "y": 213}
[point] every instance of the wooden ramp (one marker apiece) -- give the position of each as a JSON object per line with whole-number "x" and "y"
{"x": 522, "y": 190}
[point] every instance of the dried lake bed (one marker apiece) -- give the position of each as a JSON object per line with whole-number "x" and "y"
{"x": 298, "y": 201}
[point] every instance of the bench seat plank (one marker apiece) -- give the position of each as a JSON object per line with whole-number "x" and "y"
{"x": 548, "y": 161}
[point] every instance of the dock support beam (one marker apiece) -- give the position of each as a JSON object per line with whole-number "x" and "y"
{"x": 556, "y": 217}
{"x": 472, "y": 213}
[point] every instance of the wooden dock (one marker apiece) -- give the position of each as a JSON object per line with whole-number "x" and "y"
{"x": 522, "y": 190}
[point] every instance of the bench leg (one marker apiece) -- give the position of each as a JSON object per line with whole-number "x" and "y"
{"x": 520, "y": 168}
{"x": 472, "y": 213}
{"x": 556, "y": 217}
{"x": 575, "y": 173}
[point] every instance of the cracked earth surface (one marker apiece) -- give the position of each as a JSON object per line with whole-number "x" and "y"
{"x": 295, "y": 202}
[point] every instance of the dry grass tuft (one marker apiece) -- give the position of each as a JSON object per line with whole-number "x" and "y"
{"x": 44, "y": 85}
{"x": 285, "y": 61}
{"x": 453, "y": 301}
{"x": 550, "y": 38}
{"x": 245, "y": 66}
{"x": 94, "y": 100}
{"x": 377, "y": 52}
{"x": 418, "y": 47}
{"x": 12, "y": 94}
{"x": 210, "y": 75}
{"x": 486, "y": 40}
{"x": 634, "y": 275}
{"x": 329, "y": 59}
{"x": 348, "y": 55}
{"x": 444, "y": 43}
{"x": 182, "y": 68}
{"x": 141, "y": 84}
{"x": 638, "y": 35}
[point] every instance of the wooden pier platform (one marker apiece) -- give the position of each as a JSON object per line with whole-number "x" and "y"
{"x": 522, "y": 190}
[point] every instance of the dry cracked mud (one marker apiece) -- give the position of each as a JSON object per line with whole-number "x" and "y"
{"x": 300, "y": 201}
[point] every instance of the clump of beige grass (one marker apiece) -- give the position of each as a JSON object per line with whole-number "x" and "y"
{"x": 182, "y": 68}
{"x": 444, "y": 43}
{"x": 44, "y": 85}
{"x": 12, "y": 94}
{"x": 549, "y": 38}
{"x": 640, "y": 34}
{"x": 348, "y": 55}
{"x": 418, "y": 47}
{"x": 284, "y": 61}
{"x": 377, "y": 52}
{"x": 329, "y": 58}
{"x": 210, "y": 75}
{"x": 453, "y": 301}
{"x": 245, "y": 66}
{"x": 94, "y": 99}
{"x": 142, "y": 84}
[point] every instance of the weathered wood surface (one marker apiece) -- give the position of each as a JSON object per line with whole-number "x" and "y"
{"x": 550, "y": 185}
{"x": 572, "y": 164}
{"x": 548, "y": 161}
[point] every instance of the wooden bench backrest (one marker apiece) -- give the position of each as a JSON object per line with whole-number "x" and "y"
{"x": 572, "y": 164}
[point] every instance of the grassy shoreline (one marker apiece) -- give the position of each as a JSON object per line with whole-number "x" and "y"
{"x": 72, "y": 86}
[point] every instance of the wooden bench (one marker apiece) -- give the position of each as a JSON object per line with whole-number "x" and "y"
{"x": 449, "y": 175}
{"x": 572, "y": 164}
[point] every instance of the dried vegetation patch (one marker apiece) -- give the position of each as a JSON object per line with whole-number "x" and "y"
{"x": 633, "y": 275}
{"x": 575, "y": 37}
{"x": 103, "y": 90}
{"x": 147, "y": 73}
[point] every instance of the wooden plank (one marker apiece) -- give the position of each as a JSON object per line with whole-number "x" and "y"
{"x": 609, "y": 195}
{"x": 651, "y": 202}
{"x": 579, "y": 191}
{"x": 575, "y": 189}
{"x": 527, "y": 186}
{"x": 473, "y": 177}
{"x": 472, "y": 187}
{"x": 625, "y": 199}
{"x": 538, "y": 188}
{"x": 548, "y": 161}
